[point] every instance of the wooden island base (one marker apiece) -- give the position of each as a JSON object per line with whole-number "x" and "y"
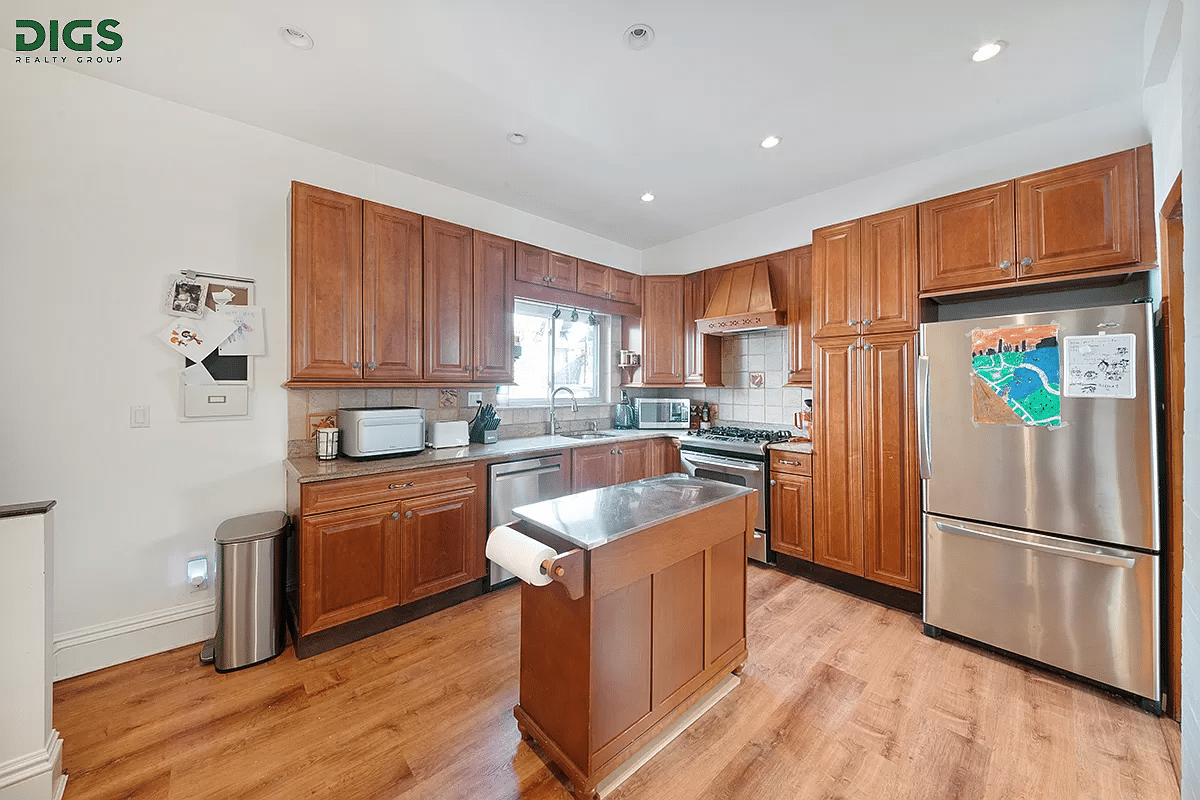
{"x": 662, "y": 621}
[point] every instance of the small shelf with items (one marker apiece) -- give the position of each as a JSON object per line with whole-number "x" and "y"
{"x": 629, "y": 363}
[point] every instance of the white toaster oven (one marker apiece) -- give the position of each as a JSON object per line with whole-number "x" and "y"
{"x": 389, "y": 431}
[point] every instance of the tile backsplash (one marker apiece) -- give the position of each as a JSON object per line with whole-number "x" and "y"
{"x": 746, "y": 397}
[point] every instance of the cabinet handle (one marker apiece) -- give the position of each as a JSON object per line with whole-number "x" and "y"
{"x": 851, "y": 350}
{"x": 408, "y": 515}
{"x": 1005, "y": 265}
{"x": 867, "y": 322}
{"x": 401, "y": 485}
{"x": 1026, "y": 261}
{"x": 356, "y": 365}
{"x": 852, "y": 322}
{"x": 612, "y": 452}
{"x": 620, "y": 452}
{"x": 773, "y": 480}
{"x": 547, "y": 279}
{"x": 395, "y": 515}
{"x": 867, "y": 346}
{"x": 371, "y": 365}
{"x": 790, "y": 463}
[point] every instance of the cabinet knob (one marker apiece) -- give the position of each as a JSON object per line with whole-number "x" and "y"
{"x": 851, "y": 348}
{"x": 395, "y": 515}
{"x": 620, "y": 452}
{"x": 408, "y": 515}
{"x": 547, "y": 279}
{"x": 371, "y": 365}
{"x": 867, "y": 321}
{"x": 1026, "y": 261}
{"x": 613, "y": 452}
{"x": 851, "y": 322}
{"x": 772, "y": 481}
{"x": 867, "y": 346}
{"x": 356, "y": 365}
{"x": 1005, "y": 265}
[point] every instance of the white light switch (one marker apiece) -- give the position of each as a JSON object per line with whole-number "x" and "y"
{"x": 139, "y": 416}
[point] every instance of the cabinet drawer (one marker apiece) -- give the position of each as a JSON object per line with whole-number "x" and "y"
{"x": 795, "y": 463}
{"x": 316, "y": 498}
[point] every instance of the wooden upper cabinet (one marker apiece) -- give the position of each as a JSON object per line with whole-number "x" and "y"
{"x": 837, "y": 455}
{"x": 662, "y": 323}
{"x": 592, "y": 279}
{"x": 701, "y": 354}
{"x": 625, "y": 286}
{"x": 891, "y": 497}
{"x": 449, "y": 310}
{"x": 1078, "y": 218}
{"x": 888, "y": 260}
{"x": 327, "y": 298}
{"x": 493, "y": 324}
{"x": 533, "y": 264}
{"x": 561, "y": 271}
{"x": 391, "y": 294}
{"x": 967, "y": 239}
{"x": 799, "y": 320}
{"x": 836, "y": 280}
{"x": 598, "y": 280}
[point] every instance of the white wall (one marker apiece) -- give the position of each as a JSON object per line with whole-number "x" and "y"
{"x": 1075, "y": 138}
{"x": 105, "y": 192}
{"x": 1189, "y": 54}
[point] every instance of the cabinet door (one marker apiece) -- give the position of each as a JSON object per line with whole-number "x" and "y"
{"x": 533, "y": 264}
{"x": 836, "y": 280}
{"x": 792, "y": 515}
{"x": 593, "y": 467}
{"x": 892, "y": 494}
{"x": 439, "y": 543}
{"x": 326, "y": 285}
{"x": 837, "y": 456}
{"x": 701, "y": 353}
{"x": 391, "y": 292}
{"x": 889, "y": 271}
{"x": 664, "y": 456}
{"x": 799, "y": 310}
{"x": 1078, "y": 218}
{"x": 662, "y": 321}
{"x": 449, "y": 275}
{"x": 634, "y": 460}
{"x": 561, "y": 274}
{"x": 493, "y": 328}
{"x": 592, "y": 279}
{"x": 349, "y": 565}
{"x": 624, "y": 287}
{"x": 967, "y": 239}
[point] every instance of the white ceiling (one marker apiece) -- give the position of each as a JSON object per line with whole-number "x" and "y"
{"x": 431, "y": 88}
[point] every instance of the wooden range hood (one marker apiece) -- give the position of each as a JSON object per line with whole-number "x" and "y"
{"x": 744, "y": 300}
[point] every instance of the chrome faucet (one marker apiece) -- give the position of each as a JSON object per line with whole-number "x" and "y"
{"x": 553, "y": 416}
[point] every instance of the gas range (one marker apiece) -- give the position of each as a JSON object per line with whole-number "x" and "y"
{"x": 735, "y": 439}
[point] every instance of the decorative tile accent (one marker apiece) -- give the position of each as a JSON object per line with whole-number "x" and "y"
{"x": 757, "y": 380}
{"x": 447, "y": 398}
{"x": 315, "y": 421}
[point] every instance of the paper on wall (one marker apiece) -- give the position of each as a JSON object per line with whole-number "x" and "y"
{"x": 196, "y": 338}
{"x": 249, "y": 337}
{"x": 1100, "y": 365}
{"x": 197, "y": 375}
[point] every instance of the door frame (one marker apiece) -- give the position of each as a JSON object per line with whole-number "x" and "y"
{"x": 1170, "y": 226}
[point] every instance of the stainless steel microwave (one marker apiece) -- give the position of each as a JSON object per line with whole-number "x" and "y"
{"x": 663, "y": 413}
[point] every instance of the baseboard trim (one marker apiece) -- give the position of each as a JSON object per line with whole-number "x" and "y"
{"x": 88, "y": 649}
{"x": 41, "y": 766}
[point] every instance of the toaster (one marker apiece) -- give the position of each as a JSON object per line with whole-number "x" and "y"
{"x": 449, "y": 434}
{"x": 388, "y": 431}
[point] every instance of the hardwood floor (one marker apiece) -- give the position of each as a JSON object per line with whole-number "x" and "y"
{"x": 840, "y": 698}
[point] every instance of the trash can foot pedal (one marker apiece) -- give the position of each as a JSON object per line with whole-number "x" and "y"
{"x": 206, "y": 652}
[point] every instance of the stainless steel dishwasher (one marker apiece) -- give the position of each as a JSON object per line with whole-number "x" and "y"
{"x": 518, "y": 483}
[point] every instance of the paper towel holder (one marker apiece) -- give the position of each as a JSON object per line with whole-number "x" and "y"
{"x": 567, "y": 569}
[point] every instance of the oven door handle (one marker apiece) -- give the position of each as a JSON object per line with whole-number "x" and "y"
{"x": 717, "y": 461}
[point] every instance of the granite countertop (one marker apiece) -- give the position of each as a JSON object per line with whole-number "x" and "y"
{"x": 592, "y": 518}
{"x": 308, "y": 469}
{"x": 793, "y": 447}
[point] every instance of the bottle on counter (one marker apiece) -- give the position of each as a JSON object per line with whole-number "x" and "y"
{"x": 705, "y": 422}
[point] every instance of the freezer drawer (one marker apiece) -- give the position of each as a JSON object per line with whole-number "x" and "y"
{"x": 1087, "y": 609}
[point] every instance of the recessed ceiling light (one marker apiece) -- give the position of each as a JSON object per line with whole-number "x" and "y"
{"x": 770, "y": 142}
{"x": 638, "y": 37}
{"x": 647, "y": 197}
{"x": 296, "y": 37}
{"x": 516, "y": 138}
{"x": 989, "y": 50}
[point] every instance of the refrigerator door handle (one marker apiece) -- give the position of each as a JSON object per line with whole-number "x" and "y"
{"x": 923, "y": 454}
{"x": 1099, "y": 558}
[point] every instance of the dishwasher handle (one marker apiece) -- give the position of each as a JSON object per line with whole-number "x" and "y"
{"x": 521, "y": 473}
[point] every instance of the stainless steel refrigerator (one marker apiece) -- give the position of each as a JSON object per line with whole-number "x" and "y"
{"x": 1039, "y": 462}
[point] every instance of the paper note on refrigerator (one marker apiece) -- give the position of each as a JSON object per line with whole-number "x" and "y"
{"x": 1100, "y": 366}
{"x": 1014, "y": 376}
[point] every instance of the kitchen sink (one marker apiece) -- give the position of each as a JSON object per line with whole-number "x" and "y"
{"x": 587, "y": 435}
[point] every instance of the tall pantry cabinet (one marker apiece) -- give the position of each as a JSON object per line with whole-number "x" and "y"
{"x": 866, "y": 496}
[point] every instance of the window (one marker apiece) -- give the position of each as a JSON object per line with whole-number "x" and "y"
{"x": 553, "y": 351}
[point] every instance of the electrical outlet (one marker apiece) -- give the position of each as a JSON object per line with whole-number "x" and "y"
{"x": 139, "y": 416}
{"x": 474, "y": 398}
{"x": 197, "y": 573}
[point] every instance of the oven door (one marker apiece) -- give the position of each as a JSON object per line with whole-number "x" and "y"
{"x": 739, "y": 471}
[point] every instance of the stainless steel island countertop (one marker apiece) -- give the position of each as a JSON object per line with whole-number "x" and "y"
{"x": 593, "y": 518}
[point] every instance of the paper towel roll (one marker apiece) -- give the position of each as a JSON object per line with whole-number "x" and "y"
{"x": 519, "y": 554}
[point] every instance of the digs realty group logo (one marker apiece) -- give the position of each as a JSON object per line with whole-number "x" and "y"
{"x": 78, "y": 36}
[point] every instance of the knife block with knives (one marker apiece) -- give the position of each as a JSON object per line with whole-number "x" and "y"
{"x": 484, "y": 424}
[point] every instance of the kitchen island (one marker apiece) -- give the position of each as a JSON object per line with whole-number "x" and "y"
{"x": 661, "y": 619}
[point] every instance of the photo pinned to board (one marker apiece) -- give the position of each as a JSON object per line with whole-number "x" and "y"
{"x": 186, "y": 296}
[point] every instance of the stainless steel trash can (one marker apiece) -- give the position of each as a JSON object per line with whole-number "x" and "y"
{"x": 251, "y": 553}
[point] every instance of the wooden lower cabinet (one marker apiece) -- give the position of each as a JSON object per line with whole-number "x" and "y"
{"x": 866, "y": 496}
{"x": 608, "y": 464}
{"x": 593, "y": 467}
{"x": 792, "y": 504}
{"x": 372, "y": 543}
